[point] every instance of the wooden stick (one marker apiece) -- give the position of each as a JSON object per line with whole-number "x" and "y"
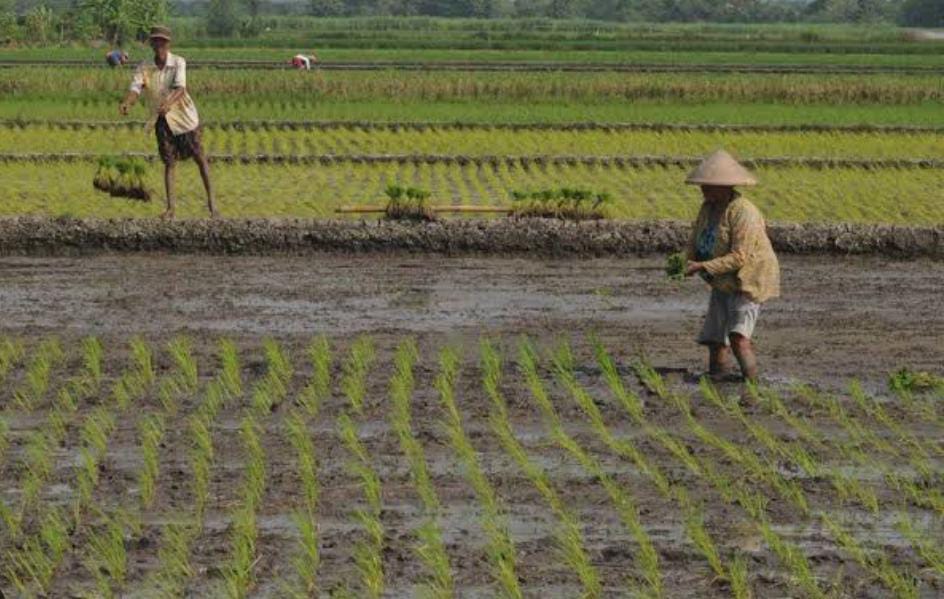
{"x": 464, "y": 208}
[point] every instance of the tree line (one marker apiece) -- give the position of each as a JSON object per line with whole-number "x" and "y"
{"x": 119, "y": 21}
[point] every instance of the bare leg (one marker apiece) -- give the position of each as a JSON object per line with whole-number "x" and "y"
{"x": 169, "y": 191}
{"x": 744, "y": 352}
{"x": 719, "y": 360}
{"x": 204, "y": 167}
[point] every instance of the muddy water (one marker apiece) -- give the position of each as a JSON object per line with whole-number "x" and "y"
{"x": 839, "y": 317}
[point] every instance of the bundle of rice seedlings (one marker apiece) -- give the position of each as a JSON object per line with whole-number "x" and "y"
{"x": 122, "y": 177}
{"x": 106, "y": 174}
{"x": 408, "y": 204}
{"x": 675, "y": 266}
{"x": 564, "y": 203}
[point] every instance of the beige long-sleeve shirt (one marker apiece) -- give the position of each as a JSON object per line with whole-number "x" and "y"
{"x": 155, "y": 84}
{"x": 742, "y": 258}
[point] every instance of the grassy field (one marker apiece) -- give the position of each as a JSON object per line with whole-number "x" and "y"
{"x": 873, "y": 177}
{"x": 788, "y": 194}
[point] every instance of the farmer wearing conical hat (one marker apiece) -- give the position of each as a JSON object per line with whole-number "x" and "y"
{"x": 729, "y": 249}
{"x": 164, "y": 80}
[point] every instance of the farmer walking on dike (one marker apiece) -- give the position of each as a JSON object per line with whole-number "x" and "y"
{"x": 730, "y": 250}
{"x": 177, "y": 125}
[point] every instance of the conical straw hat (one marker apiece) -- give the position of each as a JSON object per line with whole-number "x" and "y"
{"x": 721, "y": 169}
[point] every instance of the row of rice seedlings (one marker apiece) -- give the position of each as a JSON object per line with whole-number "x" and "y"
{"x": 368, "y": 553}
{"x": 920, "y": 491}
{"x": 701, "y": 539}
{"x": 429, "y": 547}
{"x": 152, "y": 426}
{"x": 355, "y": 369}
{"x": 308, "y": 555}
{"x": 11, "y": 352}
{"x": 929, "y": 550}
{"x": 42, "y": 443}
{"x": 106, "y": 555}
{"x": 846, "y": 487}
{"x": 732, "y": 491}
{"x": 500, "y": 548}
{"x": 764, "y": 470}
{"x": 237, "y": 571}
{"x": 569, "y": 533}
{"x": 36, "y": 381}
{"x": 319, "y": 386}
{"x": 267, "y": 394}
{"x": 919, "y": 450}
{"x": 909, "y": 490}
{"x": 174, "y": 570}
{"x": 878, "y": 566}
{"x": 30, "y": 566}
{"x": 876, "y": 563}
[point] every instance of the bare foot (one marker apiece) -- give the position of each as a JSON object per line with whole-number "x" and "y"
{"x": 167, "y": 215}
{"x": 214, "y": 214}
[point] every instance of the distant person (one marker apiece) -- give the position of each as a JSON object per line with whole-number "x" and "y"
{"x": 302, "y": 62}
{"x": 116, "y": 58}
{"x": 177, "y": 125}
{"x": 730, "y": 249}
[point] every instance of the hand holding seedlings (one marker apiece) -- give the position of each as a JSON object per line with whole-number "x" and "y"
{"x": 693, "y": 267}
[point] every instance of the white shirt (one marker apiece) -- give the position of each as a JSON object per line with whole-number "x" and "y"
{"x": 305, "y": 60}
{"x": 158, "y": 83}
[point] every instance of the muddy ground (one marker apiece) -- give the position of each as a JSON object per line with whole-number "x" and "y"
{"x": 840, "y": 318}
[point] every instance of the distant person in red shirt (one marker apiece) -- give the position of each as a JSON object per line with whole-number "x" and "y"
{"x": 300, "y": 61}
{"x": 116, "y": 58}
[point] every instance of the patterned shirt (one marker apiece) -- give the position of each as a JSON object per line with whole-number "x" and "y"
{"x": 741, "y": 259}
{"x": 157, "y": 83}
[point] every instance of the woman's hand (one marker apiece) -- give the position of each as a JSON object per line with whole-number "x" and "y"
{"x": 693, "y": 267}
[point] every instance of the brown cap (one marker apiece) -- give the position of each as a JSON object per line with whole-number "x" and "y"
{"x": 160, "y": 32}
{"x": 721, "y": 169}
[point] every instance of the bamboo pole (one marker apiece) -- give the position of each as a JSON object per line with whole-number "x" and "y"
{"x": 463, "y": 209}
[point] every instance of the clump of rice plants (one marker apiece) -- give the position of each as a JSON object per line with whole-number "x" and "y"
{"x": 906, "y": 380}
{"x": 675, "y": 266}
{"x": 564, "y": 203}
{"x": 122, "y": 177}
{"x": 409, "y": 203}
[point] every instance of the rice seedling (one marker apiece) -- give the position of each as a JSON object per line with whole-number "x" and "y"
{"x": 319, "y": 387}
{"x": 568, "y": 535}
{"x": 107, "y": 559}
{"x": 230, "y": 375}
{"x": 36, "y": 383}
{"x": 11, "y": 352}
{"x": 501, "y": 548}
{"x": 906, "y": 380}
{"x": 173, "y": 557}
{"x": 151, "y": 429}
{"x": 565, "y": 203}
{"x": 368, "y": 553}
{"x": 430, "y": 547}
{"x": 355, "y": 370}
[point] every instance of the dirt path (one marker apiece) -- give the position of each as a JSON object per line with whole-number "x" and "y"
{"x": 839, "y": 318}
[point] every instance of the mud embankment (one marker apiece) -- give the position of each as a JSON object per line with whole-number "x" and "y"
{"x": 68, "y": 236}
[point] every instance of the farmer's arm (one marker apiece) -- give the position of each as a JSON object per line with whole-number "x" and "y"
{"x": 137, "y": 86}
{"x": 746, "y": 225}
